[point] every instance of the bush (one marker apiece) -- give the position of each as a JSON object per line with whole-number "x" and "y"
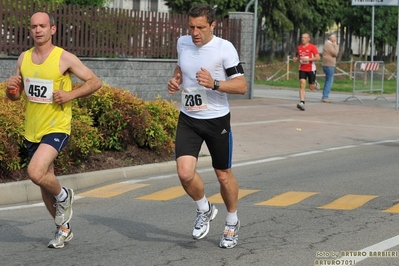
{"x": 110, "y": 108}
{"x": 164, "y": 118}
{"x": 123, "y": 119}
{"x": 11, "y": 134}
{"x": 109, "y": 119}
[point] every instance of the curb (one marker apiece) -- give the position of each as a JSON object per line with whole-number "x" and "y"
{"x": 22, "y": 192}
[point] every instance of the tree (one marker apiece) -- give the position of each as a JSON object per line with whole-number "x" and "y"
{"x": 79, "y": 2}
{"x": 295, "y": 17}
{"x": 358, "y": 21}
{"x": 276, "y": 21}
{"x": 342, "y": 16}
{"x": 87, "y": 2}
{"x": 222, "y": 7}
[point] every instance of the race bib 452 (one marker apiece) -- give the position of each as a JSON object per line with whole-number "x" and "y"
{"x": 39, "y": 90}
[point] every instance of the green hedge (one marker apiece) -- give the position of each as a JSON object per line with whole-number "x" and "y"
{"x": 110, "y": 119}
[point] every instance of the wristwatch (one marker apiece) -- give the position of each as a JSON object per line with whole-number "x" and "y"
{"x": 216, "y": 85}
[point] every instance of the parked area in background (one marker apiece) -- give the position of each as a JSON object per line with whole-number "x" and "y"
{"x": 284, "y": 74}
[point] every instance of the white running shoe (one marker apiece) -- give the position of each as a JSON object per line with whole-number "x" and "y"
{"x": 301, "y": 106}
{"x": 61, "y": 236}
{"x": 63, "y": 210}
{"x": 201, "y": 224}
{"x": 230, "y": 236}
{"x": 317, "y": 86}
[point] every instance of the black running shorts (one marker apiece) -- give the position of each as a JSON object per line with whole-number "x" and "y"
{"x": 216, "y": 133}
{"x": 56, "y": 140}
{"x": 310, "y": 75}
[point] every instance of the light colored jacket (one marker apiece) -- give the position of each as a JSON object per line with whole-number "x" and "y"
{"x": 330, "y": 52}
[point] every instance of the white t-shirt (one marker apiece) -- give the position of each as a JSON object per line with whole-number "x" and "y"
{"x": 215, "y": 56}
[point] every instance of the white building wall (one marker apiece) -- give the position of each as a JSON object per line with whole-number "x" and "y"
{"x": 162, "y": 7}
{"x": 144, "y": 5}
{"x": 125, "y": 4}
{"x": 357, "y": 43}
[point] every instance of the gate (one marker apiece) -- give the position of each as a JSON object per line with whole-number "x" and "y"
{"x": 368, "y": 76}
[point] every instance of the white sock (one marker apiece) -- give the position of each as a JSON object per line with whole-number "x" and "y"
{"x": 62, "y": 196}
{"x": 232, "y": 218}
{"x": 202, "y": 204}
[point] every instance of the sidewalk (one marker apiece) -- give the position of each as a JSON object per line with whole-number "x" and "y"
{"x": 269, "y": 125}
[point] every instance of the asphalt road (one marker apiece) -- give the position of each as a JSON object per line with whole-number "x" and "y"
{"x": 315, "y": 187}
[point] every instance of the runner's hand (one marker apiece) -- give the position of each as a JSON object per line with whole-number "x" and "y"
{"x": 14, "y": 84}
{"x": 174, "y": 84}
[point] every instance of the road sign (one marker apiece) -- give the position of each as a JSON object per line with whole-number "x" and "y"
{"x": 369, "y": 66}
{"x": 374, "y": 2}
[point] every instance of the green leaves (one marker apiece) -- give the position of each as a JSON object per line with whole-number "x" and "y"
{"x": 79, "y": 2}
{"x": 222, "y": 9}
{"x": 11, "y": 133}
{"x": 110, "y": 119}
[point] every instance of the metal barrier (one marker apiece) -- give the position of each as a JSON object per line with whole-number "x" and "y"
{"x": 368, "y": 76}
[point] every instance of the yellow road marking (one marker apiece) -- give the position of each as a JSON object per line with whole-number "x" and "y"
{"x": 166, "y": 194}
{"x": 394, "y": 209}
{"x": 111, "y": 190}
{"x": 348, "y": 202}
{"x": 217, "y": 198}
{"x": 287, "y": 198}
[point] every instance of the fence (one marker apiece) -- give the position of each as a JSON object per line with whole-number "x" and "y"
{"x": 286, "y": 70}
{"x": 103, "y": 32}
{"x": 146, "y": 77}
{"x": 368, "y": 77}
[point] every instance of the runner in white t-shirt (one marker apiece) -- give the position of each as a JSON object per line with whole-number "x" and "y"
{"x": 215, "y": 56}
{"x": 208, "y": 68}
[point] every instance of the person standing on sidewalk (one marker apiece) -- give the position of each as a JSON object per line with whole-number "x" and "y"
{"x": 330, "y": 52}
{"x": 208, "y": 69}
{"x": 43, "y": 74}
{"x": 307, "y": 54}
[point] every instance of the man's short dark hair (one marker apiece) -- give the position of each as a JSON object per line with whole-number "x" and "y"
{"x": 203, "y": 10}
{"x": 50, "y": 17}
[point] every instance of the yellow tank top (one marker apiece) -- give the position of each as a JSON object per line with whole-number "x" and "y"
{"x": 43, "y": 116}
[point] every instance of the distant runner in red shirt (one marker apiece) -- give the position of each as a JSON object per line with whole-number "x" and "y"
{"x": 307, "y": 54}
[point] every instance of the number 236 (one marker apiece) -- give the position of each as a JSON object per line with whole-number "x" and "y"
{"x": 193, "y": 100}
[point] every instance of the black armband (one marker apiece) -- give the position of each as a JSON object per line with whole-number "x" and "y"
{"x": 235, "y": 70}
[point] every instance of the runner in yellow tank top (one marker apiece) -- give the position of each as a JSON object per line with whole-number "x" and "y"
{"x": 43, "y": 116}
{"x": 43, "y": 74}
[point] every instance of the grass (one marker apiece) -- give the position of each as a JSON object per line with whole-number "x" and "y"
{"x": 339, "y": 85}
{"x": 275, "y": 74}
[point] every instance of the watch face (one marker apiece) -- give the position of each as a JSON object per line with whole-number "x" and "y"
{"x": 216, "y": 85}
